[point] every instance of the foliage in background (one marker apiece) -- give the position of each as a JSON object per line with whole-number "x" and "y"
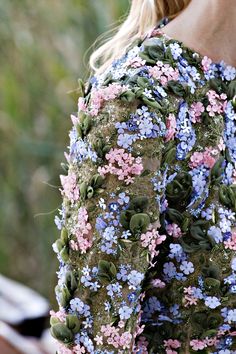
{"x": 43, "y": 44}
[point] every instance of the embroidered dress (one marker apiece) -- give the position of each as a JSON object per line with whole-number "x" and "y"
{"x": 148, "y": 215}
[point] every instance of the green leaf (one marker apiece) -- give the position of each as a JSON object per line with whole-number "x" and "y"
{"x": 139, "y": 222}
{"x": 106, "y": 270}
{"x": 177, "y": 88}
{"x": 62, "y": 333}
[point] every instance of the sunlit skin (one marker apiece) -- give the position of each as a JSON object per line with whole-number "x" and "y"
{"x": 209, "y": 27}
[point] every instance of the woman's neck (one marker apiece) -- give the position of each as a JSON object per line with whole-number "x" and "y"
{"x": 209, "y": 27}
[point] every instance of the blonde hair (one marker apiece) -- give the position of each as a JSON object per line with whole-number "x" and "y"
{"x": 142, "y": 17}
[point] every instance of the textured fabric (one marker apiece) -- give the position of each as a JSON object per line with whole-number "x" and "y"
{"x": 148, "y": 225}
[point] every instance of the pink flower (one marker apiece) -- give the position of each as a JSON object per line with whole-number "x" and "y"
{"x": 221, "y": 332}
{"x": 189, "y": 299}
{"x": 74, "y": 119}
{"x": 171, "y": 127}
{"x": 99, "y": 96}
{"x": 121, "y": 324}
{"x": 64, "y": 350}
{"x": 188, "y": 290}
{"x": 70, "y": 187}
{"x": 151, "y": 239}
{"x": 81, "y": 104}
{"x": 172, "y": 343}
{"x": 211, "y": 341}
{"x": 125, "y": 340}
{"x": 206, "y": 62}
{"x": 209, "y": 161}
{"x": 196, "y": 110}
{"x": 122, "y": 164}
{"x": 142, "y": 345}
{"x": 174, "y": 230}
{"x": 157, "y": 283}
{"x": 163, "y": 72}
{"x": 108, "y": 330}
{"x": 217, "y": 103}
{"x": 205, "y": 158}
{"x": 79, "y": 349}
{"x": 136, "y": 62}
{"x": 231, "y": 242}
{"x": 82, "y": 231}
{"x": 197, "y": 344}
{"x": 60, "y": 315}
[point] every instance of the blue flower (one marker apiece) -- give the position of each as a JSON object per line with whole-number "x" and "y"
{"x": 229, "y": 131}
{"x": 174, "y": 309}
{"x": 109, "y": 234}
{"x": 177, "y": 252}
{"x": 180, "y": 276}
{"x": 132, "y": 297}
{"x": 231, "y": 317}
{"x": 233, "y": 263}
{"x": 208, "y": 212}
{"x": 229, "y": 73}
{"x": 113, "y": 206}
{"x": 197, "y": 293}
{"x": 212, "y": 302}
{"x": 169, "y": 269}
{"x": 228, "y": 173}
{"x": 159, "y": 92}
{"x": 187, "y": 267}
{"x": 152, "y": 305}
{"x": 79, "y": 306}
{"x": 146, "y": 126}
{"x": 176, "y": 50}
{"x": 114, "y": 289}
{"x": 215, "y": 233}
{"x": 185, "y": 132}
{"x": 122, "y": 274}
{"x": 123, "y": 198}
{"x": 100, "y": 223}
{"x": 79, "y": 149}
{"x": 125, "y": 140}
{"x": 107, "y": 247}
{"x": 134, "y": 279}
{"x": 125, "y": 312}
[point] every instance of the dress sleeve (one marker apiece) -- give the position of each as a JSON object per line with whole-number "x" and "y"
{"x": 109, "y": 220}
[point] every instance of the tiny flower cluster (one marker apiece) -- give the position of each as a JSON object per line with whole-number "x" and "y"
{"x": 216, "y": 104}
{"x": 82, "y": 231}
{"x": 163, "y": 72}
{"x": 103, "y": 94}
{"x": 206, "y": 158}
{"x": 122, "y": 164}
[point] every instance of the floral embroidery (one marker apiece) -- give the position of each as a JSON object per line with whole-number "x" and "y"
{"x": 122, "y": 164}
{"x": 148, "y": 217}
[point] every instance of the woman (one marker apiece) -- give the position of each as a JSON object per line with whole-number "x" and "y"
{"x": 148, "y": 225}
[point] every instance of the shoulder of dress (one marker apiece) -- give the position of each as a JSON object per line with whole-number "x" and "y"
{"x": 147, "y": 74}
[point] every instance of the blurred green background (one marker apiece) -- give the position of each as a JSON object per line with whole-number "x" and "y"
{"x": 43, "y": 47}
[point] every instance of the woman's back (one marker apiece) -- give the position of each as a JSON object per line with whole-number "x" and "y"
{"x": 148, "y": 225}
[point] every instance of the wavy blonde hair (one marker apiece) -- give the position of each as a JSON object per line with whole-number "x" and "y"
{"x": 142, "y": 17}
